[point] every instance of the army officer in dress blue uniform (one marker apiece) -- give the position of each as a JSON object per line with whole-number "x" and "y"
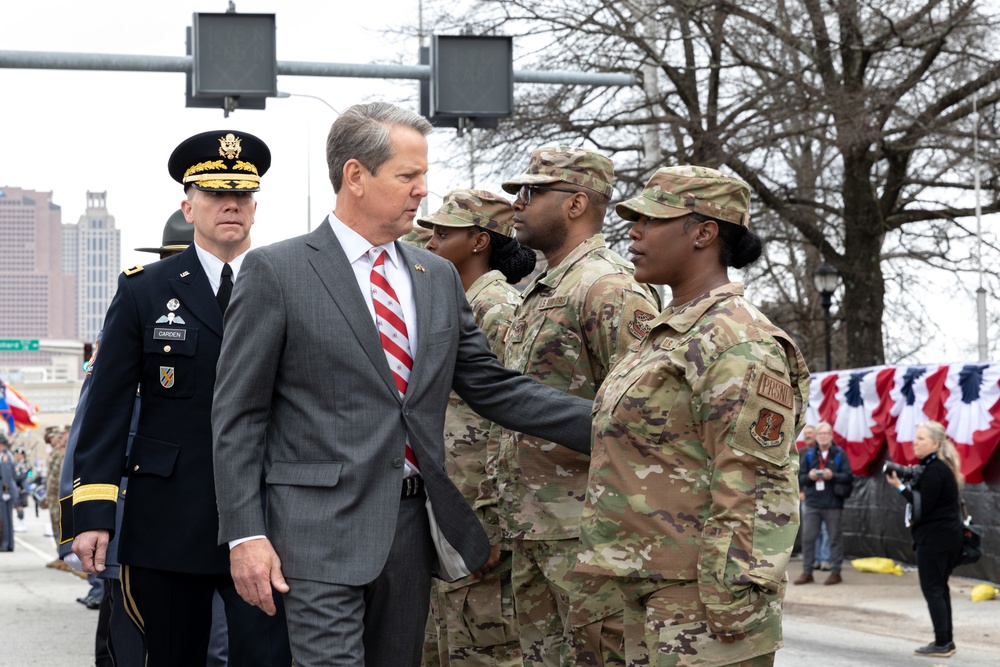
{"x": 163, "y": 332}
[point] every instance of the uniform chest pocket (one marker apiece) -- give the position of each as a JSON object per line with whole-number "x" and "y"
{"x": 548, "y": 343}
{"x": 152, "y": 457}
{"x": 643, "y": 400}
{"x": 169, "y": 361}
{"x": 645, "y": 390}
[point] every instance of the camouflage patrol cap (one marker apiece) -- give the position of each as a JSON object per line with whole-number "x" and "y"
{"x": 674, "y": 192}
{"x": 566, "y": 164}
{"x": 53, "y": 432}
{"x": 465, "y": 208}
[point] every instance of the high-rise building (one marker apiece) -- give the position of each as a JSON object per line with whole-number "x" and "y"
{"x": 37, "y": 298}
{"x": 92, "y": 253}
{"x": 36, "y": 294}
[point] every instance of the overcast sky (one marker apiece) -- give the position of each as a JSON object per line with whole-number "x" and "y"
{"x": 76, "y": 131}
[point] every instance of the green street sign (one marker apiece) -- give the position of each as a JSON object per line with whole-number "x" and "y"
{"x": 14, "y": 345}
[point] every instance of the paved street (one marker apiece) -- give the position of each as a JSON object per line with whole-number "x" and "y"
{"x": 871, "y": 619}
{"x": 42, "y": 623}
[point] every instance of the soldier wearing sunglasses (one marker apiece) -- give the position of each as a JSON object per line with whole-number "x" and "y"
{"x": 578, "y": 316}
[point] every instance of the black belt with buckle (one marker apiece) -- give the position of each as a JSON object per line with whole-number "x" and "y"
{"x": 412, "y": 485}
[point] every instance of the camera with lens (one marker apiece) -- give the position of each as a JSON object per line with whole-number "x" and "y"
{"x": 905, "y": 473}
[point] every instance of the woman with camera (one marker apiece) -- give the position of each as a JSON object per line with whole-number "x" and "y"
{"x": 934, "y": 516}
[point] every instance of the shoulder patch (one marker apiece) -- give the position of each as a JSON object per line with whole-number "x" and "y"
{"x": 775, "y": 389}
{"x": 638, "y": 326}
{"x": 764, "y": 425}
{"x": 766, "y": 429}
{"x": 134, "y": 270}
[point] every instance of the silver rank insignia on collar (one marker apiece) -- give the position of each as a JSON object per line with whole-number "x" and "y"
{"x": 185, "y": 274}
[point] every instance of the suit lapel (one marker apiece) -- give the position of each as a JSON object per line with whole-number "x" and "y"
{"x": 195, "y": 292}
{"x": 423, "y": 298}
{"x": 335, "y": 272}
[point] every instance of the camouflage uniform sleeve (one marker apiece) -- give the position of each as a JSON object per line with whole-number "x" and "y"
{"x": 746, "y": 412}
{"x": 615, "y": 315}
{"x": 486, "y": 502}
{"x": 54, "y": 469}
{"x": 494, "y": 322}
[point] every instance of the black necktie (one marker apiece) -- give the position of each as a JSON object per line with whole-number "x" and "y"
{"x": 225, "y": 287}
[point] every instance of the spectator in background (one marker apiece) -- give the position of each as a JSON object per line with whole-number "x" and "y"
{"x": 825, "y": 477}
{"x": 22, "y": 475}
{"x": 56, "y": 436}
{"x": 807, "y": 440}
{"x": 8, "y": 495}
{"x": 934, "y": 516}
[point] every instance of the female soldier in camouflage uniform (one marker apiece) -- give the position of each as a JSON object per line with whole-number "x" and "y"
{"x": 692, "y": 501}
{"x": 473, "y": 619}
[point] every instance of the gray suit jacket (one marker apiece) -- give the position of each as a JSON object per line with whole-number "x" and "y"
{"x": 305, "y": 398}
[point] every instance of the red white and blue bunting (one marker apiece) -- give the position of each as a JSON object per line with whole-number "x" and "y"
{"x": 883, "y": 405}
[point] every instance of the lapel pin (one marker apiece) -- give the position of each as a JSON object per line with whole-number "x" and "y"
{"x": 419, "y": 268}
{"x": 173, "y": 304}
{"x": 185, "y": 274}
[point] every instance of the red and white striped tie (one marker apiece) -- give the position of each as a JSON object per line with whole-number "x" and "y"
{"x": 392, "y": 331}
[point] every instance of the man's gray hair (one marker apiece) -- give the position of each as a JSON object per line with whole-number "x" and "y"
{"x": 362, "y": 133}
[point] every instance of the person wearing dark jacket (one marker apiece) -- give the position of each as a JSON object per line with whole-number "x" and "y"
{"x": 163, "y": 333}
{"x": 935, "y": 519}
{"x": 825, "y": 478}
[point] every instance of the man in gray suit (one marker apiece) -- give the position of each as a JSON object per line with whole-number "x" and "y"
{"x": 360, "y": 510}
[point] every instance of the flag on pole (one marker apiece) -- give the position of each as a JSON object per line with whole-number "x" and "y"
{"x": 22, "y": 411}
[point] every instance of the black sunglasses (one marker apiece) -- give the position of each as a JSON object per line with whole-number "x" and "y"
{"x": 524, "y": 194}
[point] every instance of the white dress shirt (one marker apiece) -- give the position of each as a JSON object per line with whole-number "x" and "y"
{"x": 356, "y": 248}
{"x": 213, "y": 266}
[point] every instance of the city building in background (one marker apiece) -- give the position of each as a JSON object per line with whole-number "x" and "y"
{"x": 44, "y": 265}
{"x": 38, "y": 299}
{"x": 92, "y": 253}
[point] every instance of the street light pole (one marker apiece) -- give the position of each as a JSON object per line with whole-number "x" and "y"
{"x": 826, "y": 280}
{"x": 826, "y": 302}
{"x": 309, "y": 217}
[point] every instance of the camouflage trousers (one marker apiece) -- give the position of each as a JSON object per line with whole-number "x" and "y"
{"x": 666, "y": 626}
{"x": 473, "y": 625}
{"x": 565, "y": 618}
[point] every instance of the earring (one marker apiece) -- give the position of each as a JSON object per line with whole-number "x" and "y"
{"x": 475, "y": 250}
